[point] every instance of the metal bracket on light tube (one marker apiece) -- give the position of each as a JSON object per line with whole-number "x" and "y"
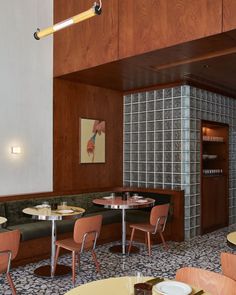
{"x": 95, "y": 10}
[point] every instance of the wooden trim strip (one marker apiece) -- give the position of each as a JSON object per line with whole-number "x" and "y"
{"x": 202, "y": 57}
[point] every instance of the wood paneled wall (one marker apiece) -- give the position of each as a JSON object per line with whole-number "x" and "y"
{"x": 229, "y": 15}
{"x": 71, "y": 102}
{"x": 89, "y": 43}
{"x": 128, "y": 28}
{"x": 146, "y": 25}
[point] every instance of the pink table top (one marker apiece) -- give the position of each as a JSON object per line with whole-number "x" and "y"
{"x": 118, "y": 203}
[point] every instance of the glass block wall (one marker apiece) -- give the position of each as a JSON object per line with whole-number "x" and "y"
{"x": 162, "y": 143}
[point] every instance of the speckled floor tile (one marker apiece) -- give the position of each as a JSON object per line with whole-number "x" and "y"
{"x": 203, "y": 251}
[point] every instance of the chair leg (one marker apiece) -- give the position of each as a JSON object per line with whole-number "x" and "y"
{"x": 56, "y": 258}
{"x": 9, "y": 279}
{"x": 149, "y": 243}
{"x": 131, "y": 239}
{"x": 146, "y": 241}
{"x": 78, "y": 261}
{"x": 96, "y": 261}
{"x": 73, "y": 266}
{"x": 163, "y": 241}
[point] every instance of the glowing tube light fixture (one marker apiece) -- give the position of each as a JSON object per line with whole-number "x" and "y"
{"x": 95, "y": 10}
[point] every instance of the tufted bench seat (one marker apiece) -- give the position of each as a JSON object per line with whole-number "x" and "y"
{"x": 36, "y": 235}
{"x": 33, "y": 229}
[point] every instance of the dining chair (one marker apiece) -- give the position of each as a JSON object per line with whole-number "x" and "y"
{"x": 9, "y": 245}
{"x": 157, "y": 223}
{"x": 228, "y": 265}
{"x": 86, "y": 232}
{"x": 211, "y": 282}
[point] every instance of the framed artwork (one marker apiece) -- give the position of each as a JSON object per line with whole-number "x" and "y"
{"x": 92, "y": 141}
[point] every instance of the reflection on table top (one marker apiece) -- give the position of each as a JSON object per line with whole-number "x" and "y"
{"x": 64, "y": 212}
{"x": 114, "y": 286}
{"x": 2, "y": 220}
{"x": 232, "y": 238}
{"x": 118, "y": 203}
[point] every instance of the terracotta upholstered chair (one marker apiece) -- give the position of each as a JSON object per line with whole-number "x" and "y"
{"x": 228, "y": 265}
{"x": 9, "y": 245}
{"x": 86, "y": 232}
{"x": 209, "y": 281}
{"x": 158, "y": 218}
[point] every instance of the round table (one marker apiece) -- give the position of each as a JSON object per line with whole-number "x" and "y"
{"x": 53, "y": 216}
{"x": 231, "y": 239}
{"x": 2, "y": 220}
{"x": 114, "y": 286}
{"x": 118, "y": 203}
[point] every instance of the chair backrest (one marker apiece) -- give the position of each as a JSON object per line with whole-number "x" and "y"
{"x": 209, "y": 281}
{"x": 91, "y": 226}
{"x": 228, "y": 265}
{"x": 159, "y": 215}
{"x": 9, "y": 241}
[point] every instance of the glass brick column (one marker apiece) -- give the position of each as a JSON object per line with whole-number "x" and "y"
{"x": 162, "y": 143}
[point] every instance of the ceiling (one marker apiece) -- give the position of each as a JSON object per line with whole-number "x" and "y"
{"x": 209, "y": 62}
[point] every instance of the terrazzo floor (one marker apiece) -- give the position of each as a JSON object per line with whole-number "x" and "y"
{"x": 203, "y": 251}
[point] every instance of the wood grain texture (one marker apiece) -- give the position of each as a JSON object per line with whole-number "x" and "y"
{"x": 209, "y": 281}
{"x": 208, "y": 62}
{"x": 229, "y": 12}
{"x": 228, "y": 265}
{"x": 86, "y": 44}
{"x": 73, "y": 101}
{"x": 146, "y": 25}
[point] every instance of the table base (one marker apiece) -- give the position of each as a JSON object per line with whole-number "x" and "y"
{"x": 118, "y": 249}
{"x": 45, "y": 271}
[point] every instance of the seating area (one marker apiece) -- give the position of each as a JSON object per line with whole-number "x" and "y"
{"x": 118, "y": 147}
{"x": 38, "y": 232}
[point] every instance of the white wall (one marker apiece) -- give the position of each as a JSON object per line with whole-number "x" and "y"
{"x": 25, "y": 97}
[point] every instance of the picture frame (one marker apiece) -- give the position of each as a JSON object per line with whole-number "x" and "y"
{"x": 92, "y": 141}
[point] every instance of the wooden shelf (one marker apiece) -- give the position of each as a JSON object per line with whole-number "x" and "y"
{"x": 214, "y": 187}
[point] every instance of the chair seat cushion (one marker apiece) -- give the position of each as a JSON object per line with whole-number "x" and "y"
{"x": 30, "y": 231}
{"x": 109, "y": 216}
{"x": 3, "y": 230}
{"x": 137, "y": 216}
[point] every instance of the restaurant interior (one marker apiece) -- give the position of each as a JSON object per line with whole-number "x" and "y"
{"x": 118, "y": 147}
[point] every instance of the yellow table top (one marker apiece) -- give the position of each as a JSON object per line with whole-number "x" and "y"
{"x": 59, "y": 214}
{"x": 112, "y": 286}
{"x": 2, "y": 220}
{"x": 232, "y": 237}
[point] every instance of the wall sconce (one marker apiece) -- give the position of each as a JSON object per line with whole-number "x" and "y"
{"x": 16, "y": 150}
{"x": 95, "y": 10}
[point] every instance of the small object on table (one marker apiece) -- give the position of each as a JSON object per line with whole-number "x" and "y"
{"x": 125, "y": 196}
{"x": 142, "y": 289}
{"x": 2, "y": 220}
{"x": 54, "y": 206}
